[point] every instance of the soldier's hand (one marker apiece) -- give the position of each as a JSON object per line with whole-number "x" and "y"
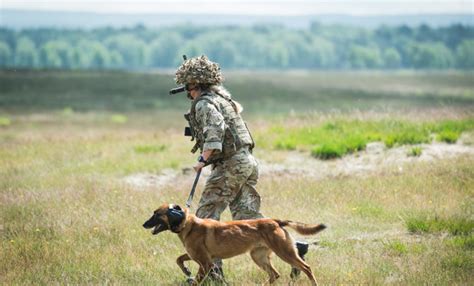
{"x": 198, "y": 166}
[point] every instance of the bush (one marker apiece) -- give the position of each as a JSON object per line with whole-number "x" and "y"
{"x": 329, "y": 151}
{"x": 287, "y": 144}
{"x": 355, "y": 143}
{"x": 119, "y": 118}
{"x": 147, "y": 149}
{"x": 5, "y": 121}
{"x": 415, "y": 151}
{"x": 448, "y": 136}
{"x": 407, "y": 137}
{"x": 397, "y": 247}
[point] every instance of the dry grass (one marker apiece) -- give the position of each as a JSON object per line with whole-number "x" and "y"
{"x": 67, "y": 217}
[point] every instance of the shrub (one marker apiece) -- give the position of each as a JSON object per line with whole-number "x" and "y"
{"x": 407, "y": 137}
{"x": 415, "y": 151}
{"x": 119, "y": 118}
{"x": 397, "y": 247}
{"x": 147, "y": 149}
{"x": 448, "y": 136}
{"x": 329, "y": 151}
{"x": 355, "y": 143}
{"x": 5, "y": 121}
{"x": 286, "y": 144}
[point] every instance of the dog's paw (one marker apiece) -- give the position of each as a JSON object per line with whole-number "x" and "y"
{"x": 191, "y": 281}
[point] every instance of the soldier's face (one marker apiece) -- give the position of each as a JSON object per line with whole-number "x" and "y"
{"x": 193, "y": 90}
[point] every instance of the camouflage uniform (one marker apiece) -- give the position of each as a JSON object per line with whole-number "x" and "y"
{"x": 217, "y": 125}
{"x": 235, "y": 171}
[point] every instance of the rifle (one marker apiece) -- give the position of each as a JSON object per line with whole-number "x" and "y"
{"x": 181, "y": 88}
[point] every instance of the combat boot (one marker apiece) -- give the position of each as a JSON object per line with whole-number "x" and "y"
{"x": 217, "y": 273}
{"x": 302, "y": 248}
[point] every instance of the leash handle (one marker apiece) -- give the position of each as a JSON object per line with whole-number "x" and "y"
{"x": 191, "y": 195}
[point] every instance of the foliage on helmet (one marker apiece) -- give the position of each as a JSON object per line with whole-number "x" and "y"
{"x": 199, "y": 70}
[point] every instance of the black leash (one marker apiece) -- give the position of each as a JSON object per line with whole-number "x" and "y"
{"x": 191, "y": 195}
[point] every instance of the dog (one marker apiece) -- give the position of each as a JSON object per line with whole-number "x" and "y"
{"x": 206, "y": 240}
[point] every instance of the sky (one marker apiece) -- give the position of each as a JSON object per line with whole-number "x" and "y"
{"x": 250, "y": 7}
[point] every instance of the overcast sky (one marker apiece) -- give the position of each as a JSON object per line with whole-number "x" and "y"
{"x": 250, "y": 7}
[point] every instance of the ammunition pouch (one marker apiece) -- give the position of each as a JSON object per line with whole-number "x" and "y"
{"x": 187, "y": 131}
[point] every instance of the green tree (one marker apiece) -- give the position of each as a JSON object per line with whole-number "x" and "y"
{"x": 25, "y": 53}
{"x": 163, "y": 50}
{"x": 391, "y": 58}
{"x": 278, "y": 55}
{"x": 465, "y": 54}
{"x": 57, "y": 54}
{"x": 131, "y": 48}
{"x": 116, "y": 60}
{"x": 430, "y": 55}
{"x": 364, "y": 57}
{"x": 321, "y": 53}
{"x": 5, "y": 55}
{"x": 93, "y": 54}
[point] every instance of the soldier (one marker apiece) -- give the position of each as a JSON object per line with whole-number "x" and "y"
{"x": 224, "y": 142}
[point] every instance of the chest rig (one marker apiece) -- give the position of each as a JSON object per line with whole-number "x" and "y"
{"x": 236, "y": 133}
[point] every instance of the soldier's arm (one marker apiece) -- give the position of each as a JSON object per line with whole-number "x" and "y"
{"x": 212, "y": 123}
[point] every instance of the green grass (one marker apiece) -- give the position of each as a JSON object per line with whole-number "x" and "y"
{"x": 148, "y": 149}
{"x": 118, "y": 118}
{"x": 5, "y": 121}
{"x": 448, "y": 136}
{"x": 335, "y": 138}
{"x": 415, "y": 151}
{"x": 454, "y": 225}
{"x": 268, "y": 93}
{"x": 465, "y": 242}
{"x": 397, "y": 247}
{"x": 69, "y": 217}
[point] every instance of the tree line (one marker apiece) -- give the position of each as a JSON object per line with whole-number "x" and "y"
{"x": 256, "y": 47}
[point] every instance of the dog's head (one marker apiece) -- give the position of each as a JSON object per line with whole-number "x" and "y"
{"x": 166, "y": 217}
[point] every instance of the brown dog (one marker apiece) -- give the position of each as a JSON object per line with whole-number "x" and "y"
{"x": 206, "y": 240}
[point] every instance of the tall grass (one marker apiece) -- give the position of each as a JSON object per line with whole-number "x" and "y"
{"x": 68, "y": 217}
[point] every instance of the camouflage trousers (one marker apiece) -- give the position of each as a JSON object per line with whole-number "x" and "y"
{"x": 232, "y": 183}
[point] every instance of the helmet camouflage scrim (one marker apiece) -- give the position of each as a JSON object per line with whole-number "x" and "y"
{"x": 199, "y": 70}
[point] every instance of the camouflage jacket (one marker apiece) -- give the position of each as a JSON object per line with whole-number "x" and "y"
{"x": 216, "y": 125}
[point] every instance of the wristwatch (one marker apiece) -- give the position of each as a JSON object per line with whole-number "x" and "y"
{"x": 201, "y": 159}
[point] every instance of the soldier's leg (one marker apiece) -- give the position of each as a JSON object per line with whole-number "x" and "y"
{"x": 215, "y": 197}
{"x": 246, "y": 205}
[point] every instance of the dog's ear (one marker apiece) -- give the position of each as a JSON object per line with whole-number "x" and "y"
{"x": 177, "y": 207}
{"x": 175, "y": 216}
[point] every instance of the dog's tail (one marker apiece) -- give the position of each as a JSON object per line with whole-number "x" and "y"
{"x": 302, "y": 228}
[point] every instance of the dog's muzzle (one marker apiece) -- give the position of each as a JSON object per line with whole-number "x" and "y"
{"x": 159, "y": 228}
{"x": 157, "y": 224}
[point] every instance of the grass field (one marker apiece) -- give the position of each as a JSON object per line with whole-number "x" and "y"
{"x": 69, "y": 217}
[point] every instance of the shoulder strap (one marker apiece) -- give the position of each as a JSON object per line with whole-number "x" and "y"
{"x": 205, "y": 97}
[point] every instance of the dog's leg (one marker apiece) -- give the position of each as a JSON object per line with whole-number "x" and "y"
{"x": 261, "y": 256}
{"x": 180, "y": 261}
{"x": 283, "y": 246}
{"x": 204, "y": 270}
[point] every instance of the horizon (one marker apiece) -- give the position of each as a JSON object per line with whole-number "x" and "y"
{"x": 246, "y": 7}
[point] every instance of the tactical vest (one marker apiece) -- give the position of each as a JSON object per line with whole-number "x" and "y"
{"x": 236, "y": 133}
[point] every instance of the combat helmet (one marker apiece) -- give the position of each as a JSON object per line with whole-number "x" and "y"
{"x": 199, "y": 70}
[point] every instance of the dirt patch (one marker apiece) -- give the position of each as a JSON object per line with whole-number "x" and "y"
{"x": 375, "y": 157}
{"x": 147, "y": 180}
